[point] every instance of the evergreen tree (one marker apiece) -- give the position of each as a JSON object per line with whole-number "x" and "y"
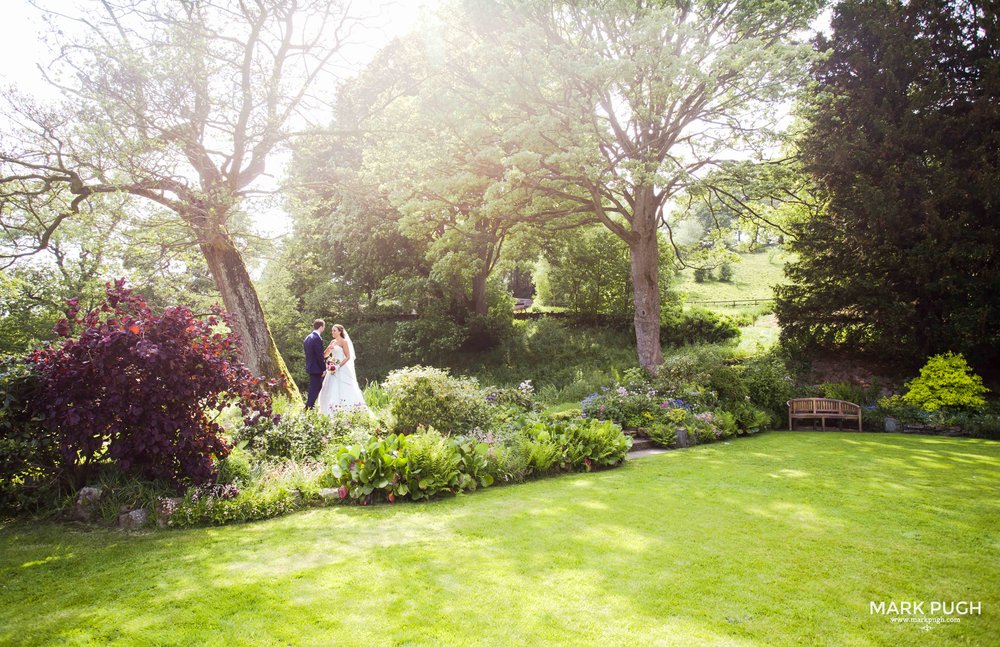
{"x": 903, "y": 140}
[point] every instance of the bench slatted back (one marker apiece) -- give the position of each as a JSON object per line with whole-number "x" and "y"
{"x": 824, "y": 406}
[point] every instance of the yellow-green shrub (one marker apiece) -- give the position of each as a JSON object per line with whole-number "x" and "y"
{"x": 946, "y": 382}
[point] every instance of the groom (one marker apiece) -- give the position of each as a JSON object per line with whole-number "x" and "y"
{"x": 315, "y": 362}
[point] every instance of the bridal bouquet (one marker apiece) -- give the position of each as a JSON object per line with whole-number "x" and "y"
{"x": 332, "y": 365}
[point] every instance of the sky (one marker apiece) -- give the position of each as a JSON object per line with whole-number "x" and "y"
{"x": 22, "y": 51}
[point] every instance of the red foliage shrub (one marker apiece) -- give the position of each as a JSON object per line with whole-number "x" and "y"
{"x": 134, "y": 387}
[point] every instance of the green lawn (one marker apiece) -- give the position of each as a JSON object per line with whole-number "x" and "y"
{"x": 779, "y": 539}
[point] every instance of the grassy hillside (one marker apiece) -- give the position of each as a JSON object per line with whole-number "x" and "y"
{"x": 753, "y": 278}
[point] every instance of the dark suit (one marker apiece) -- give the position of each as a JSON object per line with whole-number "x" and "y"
{"x": 315, "y": 366}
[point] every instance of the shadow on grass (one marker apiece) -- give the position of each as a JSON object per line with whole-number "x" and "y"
{"x": 776, "y": 539}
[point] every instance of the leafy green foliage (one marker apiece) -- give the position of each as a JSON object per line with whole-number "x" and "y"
{"x": 978, "y": 424}
{"x": 246, "y": 505}
{"x": 377, "y": 465}
{"x": 663, "y": 434}
{"x": 946, "y": 381}
{"x": 574, "y": 444}
{"x": 565, "y": 414}
{"x": 122, "y": 491}
{"x": 696, "y": 326}
{"x": 769, "y": 384}
{"x": 234, "y": 469}
{"x": 540, "y": 450}
{"x": 710, "y": 426}
{"x": 588, "y": 272}
{"x": 476, "y": 467}
{"x": 427, "y": 463}
{"x": 893, "y": 406}
{"x": 305, "y": 433}
{"x": 376, "y": 397}
{"x": 862, "y": 394}
{"x": 592, "y": 443}
{"x": 427, "y": 338}
{"x": 31, "y": 302}
{"x": 423, "y": 396}
{"x": 418, "y": 466}
{"x": 29, "y": 452}
{"x": 433, "y": 463}
{"x": 522, "y": 397}
{"x": 705, "y": 427}
{"x": 697, "y": 380}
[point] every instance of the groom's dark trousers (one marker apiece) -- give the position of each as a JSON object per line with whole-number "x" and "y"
{"x": 315, "y": 366}
{"x": 315, "y": 385}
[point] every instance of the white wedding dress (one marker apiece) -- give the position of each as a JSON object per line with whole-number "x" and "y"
{"x": 340, "y": 390}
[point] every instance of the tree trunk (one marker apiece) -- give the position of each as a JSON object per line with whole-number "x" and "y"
{"x": 480, "y": 306}
{"x": 259, "y": 351}
{"x": 480, "y": 336}
{"x": 645, "y": 262}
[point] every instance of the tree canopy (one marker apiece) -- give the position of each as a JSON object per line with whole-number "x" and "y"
{"x": 634, "y": 102}
{"x": 179, "y": 104}
{"x": 903, "y": 141}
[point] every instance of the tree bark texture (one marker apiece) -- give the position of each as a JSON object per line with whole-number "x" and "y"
{"x": 231, "y": 277}
{"x": 645, "y": 264}
{"x": 480, "y": 304}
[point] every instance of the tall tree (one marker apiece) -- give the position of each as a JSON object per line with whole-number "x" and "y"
{"x": 634, "y": 100}
{"x": 441, "y": 149}
{"x": 346, "y": 239}
{"x": 903, "y": 140}
{"x": 176, "y": 102}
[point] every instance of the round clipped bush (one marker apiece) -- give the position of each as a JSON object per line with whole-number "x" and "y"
{"x": 946, "y": 382}
{"x": 135, "y": 387}
{"x": 423, "y": 396}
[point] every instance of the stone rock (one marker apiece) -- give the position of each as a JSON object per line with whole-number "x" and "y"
{"x": 88, "y": 500}
{"x": 329, "y": 495}
{"x": 683, "y": 440}
{"x": 89, "y": 495}
{"x": 165, "y": 508}
{"x": 133, "y": 520}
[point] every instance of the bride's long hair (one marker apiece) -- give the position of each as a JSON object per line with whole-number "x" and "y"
{"x": 350, "y": 344}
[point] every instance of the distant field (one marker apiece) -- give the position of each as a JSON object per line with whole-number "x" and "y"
{"x": 762, "y": 334}
{"x": 753, "y": 278}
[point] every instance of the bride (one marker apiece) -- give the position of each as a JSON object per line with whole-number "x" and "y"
{"x": 340, "y": 388}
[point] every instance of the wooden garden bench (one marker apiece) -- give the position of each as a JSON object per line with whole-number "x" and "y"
{"x": 822, "y": 408}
